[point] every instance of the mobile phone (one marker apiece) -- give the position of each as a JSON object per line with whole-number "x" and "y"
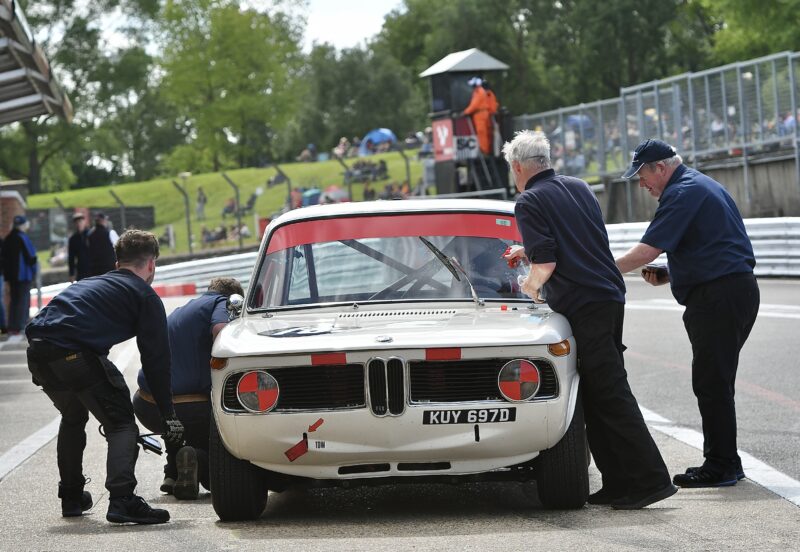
{"x": 149, "y": 443}
{"x": 660, "y": 270}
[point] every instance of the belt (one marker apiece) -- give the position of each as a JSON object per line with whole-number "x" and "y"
{"x": 176, "y": 399}
{"x": 49, "y": 350}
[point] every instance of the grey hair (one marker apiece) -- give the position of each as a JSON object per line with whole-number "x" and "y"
{"x": 669, "y": 162}
{"x": 529, "y": 148}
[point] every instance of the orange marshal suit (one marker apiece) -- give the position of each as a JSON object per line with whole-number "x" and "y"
{"x": 479, "y": 108}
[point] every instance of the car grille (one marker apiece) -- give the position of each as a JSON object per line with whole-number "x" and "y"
{"x": 469, "y": 380}
{"x": 332, "y": 387}
{"x": 387, "y": 386}
{"x": 326, "y": 387}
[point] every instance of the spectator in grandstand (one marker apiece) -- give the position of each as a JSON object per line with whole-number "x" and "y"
{"x": 229, "y": 208}
{"x": 369, "y": 193}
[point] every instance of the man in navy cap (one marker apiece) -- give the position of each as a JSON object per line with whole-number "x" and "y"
{"x": 19, "y": 268}
{"x": 710, "y": 269}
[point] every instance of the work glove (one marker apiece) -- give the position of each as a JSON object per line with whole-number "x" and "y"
{"x": 173, "y": 430}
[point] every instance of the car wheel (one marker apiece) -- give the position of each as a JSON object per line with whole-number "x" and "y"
{"x": 562, "y": 474}
{"x": 238, "y": 488}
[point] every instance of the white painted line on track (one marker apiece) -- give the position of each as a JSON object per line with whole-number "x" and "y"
{"x": 756, "y": 470}
{"x": 765, "y": 310}
{"x": 29, "y": 446}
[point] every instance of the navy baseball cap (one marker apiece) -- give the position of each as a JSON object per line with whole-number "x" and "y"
{"x": 647, "y": 152}
{"x": 19, "y": 220}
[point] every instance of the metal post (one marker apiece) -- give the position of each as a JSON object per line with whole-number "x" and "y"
{"x": 348, "y": 182}
{"x": 693, "y": 115}
{"x": 657, "y": 105}
{"x": 288, "y": 184}
{"x": 123, "y": 219}
{"x": 775, "y": 91}
{"x": 601, "y": 141}
{"x": 759, "y": 104}
{"x": 724, "y": 108}
{"x": 238, "y": 209}
{"x": 708, "y": 113}
{"x": 188, "y": 215}
{"x": 742, "y": 123}
{"x": 793, "y": 97}
{"x": 408, "y": 166}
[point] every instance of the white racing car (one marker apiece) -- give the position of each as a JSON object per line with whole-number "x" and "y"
{"x": 384, "y": 342}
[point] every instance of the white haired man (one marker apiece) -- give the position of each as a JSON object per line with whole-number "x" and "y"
{"x": 566, "y": 242}
{"x": 710, "y": 269}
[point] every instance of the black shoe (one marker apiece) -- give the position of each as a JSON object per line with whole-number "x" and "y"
{"x": 186, "y": 485}
{"x": 739, "y": 471}
{"x": 133, "y": 509}
{"x": 703, "y": 477}
{"x": 605, "y": 496}
{"x": 637, "y": 500}
{"x": 75, "y": 506}
{"x": 168, "y": 485}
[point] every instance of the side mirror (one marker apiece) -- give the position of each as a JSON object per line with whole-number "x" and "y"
{"x": 234, "y": 305}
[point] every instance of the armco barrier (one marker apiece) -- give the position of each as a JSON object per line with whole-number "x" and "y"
{"x": 776, "y": 243}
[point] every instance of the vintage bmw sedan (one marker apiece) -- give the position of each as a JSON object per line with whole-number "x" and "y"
{"x": 388, "y": 342}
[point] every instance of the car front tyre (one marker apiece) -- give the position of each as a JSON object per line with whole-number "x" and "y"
{"x": 238, "y": 488}
{"x": 562, "y": 473}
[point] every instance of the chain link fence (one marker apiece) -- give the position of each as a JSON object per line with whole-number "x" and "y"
{"x": 746, "y": 109}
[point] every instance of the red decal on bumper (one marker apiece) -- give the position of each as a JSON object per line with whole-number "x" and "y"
{"x": 313, "y": 427}
{"x": 297, "y": 451}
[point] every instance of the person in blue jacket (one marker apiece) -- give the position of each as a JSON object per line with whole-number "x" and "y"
{"x": 19, "y": 269}
{"x": 192, "y": 329}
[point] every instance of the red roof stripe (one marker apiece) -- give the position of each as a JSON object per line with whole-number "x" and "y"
{"x": 394, "y": 226}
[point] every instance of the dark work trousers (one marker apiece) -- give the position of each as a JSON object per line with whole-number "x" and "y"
{"x": 718, "y": 318}
{"x": 19, "y": 307}
{"x": 621, "y": 445}
{"x": 195, "y": 417}
{"x": 79, "y": 383}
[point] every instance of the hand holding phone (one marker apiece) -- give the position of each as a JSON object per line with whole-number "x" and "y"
{"x": 655, "y": 274}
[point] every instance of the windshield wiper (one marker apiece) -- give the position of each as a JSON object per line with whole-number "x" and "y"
{"x": 454, "y": 267}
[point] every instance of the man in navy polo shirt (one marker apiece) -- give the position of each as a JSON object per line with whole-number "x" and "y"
{"x": 565, "y": 239}
{"x": 710, "y": 262}
{"x": 192, "y": 329}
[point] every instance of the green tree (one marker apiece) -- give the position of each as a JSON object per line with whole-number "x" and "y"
{"x": 350, "y": 92}
{"x": 751, "y": 28}
{"x": 231, "y": 72}
{"x": 560, "y": 53}
{"x": 69, "y": 31}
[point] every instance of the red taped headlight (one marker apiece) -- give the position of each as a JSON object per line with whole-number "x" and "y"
{"x": 518, "y": 380}
{"x": 258, "y": 391}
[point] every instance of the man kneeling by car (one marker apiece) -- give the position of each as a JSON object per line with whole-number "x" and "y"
{"x": 192, "y": 329}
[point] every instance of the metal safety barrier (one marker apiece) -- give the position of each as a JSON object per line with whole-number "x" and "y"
{"x": 776, "y": 243}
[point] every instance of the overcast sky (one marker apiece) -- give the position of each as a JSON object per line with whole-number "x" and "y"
{"x": 345, "y": 23}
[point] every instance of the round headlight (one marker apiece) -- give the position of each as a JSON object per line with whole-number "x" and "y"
{"x": 518, "y": 380}
{"x": 257, "y": 391}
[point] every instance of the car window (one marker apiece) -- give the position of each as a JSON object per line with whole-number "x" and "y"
{"x": 384, "y": 268}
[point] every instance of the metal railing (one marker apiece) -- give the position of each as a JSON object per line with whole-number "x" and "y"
{"x": 739, "y": 110}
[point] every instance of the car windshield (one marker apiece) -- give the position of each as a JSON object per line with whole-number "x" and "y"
{"x": 381, "y": 258}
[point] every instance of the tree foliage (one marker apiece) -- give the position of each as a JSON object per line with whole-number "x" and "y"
{"x": 203, "y": 85}
{"x": 231, "y": 72}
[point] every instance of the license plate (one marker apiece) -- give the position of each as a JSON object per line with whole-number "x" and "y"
{"x": 470, "y": 416}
